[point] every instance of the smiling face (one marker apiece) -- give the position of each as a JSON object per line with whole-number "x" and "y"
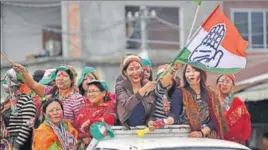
{"x": 134, "y": 72}
{"x": 88, "y": 78}
{"x": 54, "y": 112}
{"x": 63, "y": 80}
{"x": 146, "y": 73}
{"x": 192, "y": 75}
{"x": 225, "y": 85}
{"x": 95, "y": 95}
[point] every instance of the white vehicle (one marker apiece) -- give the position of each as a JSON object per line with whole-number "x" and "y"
{"x": 170, "y": 138}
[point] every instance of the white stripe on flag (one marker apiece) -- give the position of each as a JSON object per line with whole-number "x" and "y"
{"x": 228, "y": 57}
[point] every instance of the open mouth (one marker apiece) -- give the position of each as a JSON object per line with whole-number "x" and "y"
{"x": 192, "y": 79}
{"x": 135, "y": 77}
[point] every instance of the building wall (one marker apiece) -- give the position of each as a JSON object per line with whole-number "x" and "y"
{"x": 228, "y": 5}
{"x": 22, "y": 29}
{"x": 95, "y": 15}
{"x": 102, "y": 28}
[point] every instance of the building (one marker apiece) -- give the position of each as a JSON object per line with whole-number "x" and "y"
{"x": 94, "y": 33}
{"x": 97, "y": 33}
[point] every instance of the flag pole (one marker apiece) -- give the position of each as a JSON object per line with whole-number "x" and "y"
{"x": 9, "y": 60}
{"x": 195, "y": 17}
{"x": 189, "y": 36}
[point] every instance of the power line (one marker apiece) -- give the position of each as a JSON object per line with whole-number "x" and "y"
{"x": 47, "y": 5}
{"x": 100, "y": 29}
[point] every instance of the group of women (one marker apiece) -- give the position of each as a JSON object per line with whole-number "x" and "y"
{"x": 65, "y": 109}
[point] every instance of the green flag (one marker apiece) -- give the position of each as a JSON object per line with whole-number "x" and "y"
{"x": 198, "y": 2}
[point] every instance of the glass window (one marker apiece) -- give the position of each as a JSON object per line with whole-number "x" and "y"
{"x": 257, "y": 30}
{"x": 253, "y": 30}
{"x": 241, "y": 22}
{"x": 132, "y": 29}
{"x": 159, "y": 29}
{"x": 162, "y": 32}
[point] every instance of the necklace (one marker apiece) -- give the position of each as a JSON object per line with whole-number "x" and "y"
{"x": 62, "y": 97}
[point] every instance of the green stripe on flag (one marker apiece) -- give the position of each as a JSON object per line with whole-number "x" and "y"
{"x": 198, "y": 2}
{"x": 183, "y": 55}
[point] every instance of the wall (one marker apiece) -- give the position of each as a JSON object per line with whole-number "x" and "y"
{"x": 243, "y": 4}
{"x": 102, "y": 28}
{"x": 22, "y": 29}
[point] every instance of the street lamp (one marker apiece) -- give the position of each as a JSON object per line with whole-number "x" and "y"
{"x": 143, "y": 14}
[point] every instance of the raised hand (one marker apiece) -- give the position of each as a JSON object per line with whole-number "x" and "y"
{"x": 176, "y": 66}
{"x": 148, "y": 87}
{"x": 208, "y": 52}
{"x": 19, "y": 68}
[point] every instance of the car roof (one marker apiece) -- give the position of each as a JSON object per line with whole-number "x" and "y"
{"x": 172, "y": 136}
{"x": 166, "y": 142}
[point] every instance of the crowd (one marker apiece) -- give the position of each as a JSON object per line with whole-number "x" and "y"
{"x": 50, "y": 110}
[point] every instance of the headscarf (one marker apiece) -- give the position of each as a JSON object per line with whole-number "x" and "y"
{"x": 13, "y": 85}
{"x": 85, "y": 71}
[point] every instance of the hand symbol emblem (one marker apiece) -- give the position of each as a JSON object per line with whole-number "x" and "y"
{"x": 207, "y": 51}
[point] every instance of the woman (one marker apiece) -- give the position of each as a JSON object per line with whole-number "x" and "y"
{"x": 54, "y": 133}
{"x": 234, "y": 109}
{"x": 18, "y": 112}
{"x": 164, "y": 90}
{"x": 47, "y": 79}
{"x": 98, "y": 107}
{"x": 135, "y": 101}
{"x": 195, "y": 104}
{"x": 88, "y": 74}
{"x": 147, "y": 70}
{"x": 63, "y": 89}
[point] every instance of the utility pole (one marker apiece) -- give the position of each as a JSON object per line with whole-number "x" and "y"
{"x": 1, "y": 30}
{"x": 144, "y": 16}
{"x": 144, "y": 34}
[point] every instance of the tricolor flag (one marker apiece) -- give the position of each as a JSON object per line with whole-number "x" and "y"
{"x": 216, "y": 46}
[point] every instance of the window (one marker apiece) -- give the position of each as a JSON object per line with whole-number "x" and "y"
{"x": 253, "y": 26}
{"x": 52, "y": 43}
{"x": 162, "y": 32}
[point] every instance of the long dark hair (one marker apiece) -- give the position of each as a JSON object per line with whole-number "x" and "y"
{"x": 203, "y": 80}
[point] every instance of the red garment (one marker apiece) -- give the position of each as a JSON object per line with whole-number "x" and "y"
{"x": 103, "y": 112}
{"x": 238, "y": 120}
{"x": 37, "y": 101}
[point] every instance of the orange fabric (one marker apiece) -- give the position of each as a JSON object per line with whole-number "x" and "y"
{"x": 233, "y": 42}
{"x": 44, "y": 137}
{"x": 25, "y": 89}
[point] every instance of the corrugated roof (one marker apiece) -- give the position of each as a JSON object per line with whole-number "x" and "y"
{"x": 255, "y": 92}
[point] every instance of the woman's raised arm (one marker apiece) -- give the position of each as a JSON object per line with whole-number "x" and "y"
{"x": 28, "y": 80}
